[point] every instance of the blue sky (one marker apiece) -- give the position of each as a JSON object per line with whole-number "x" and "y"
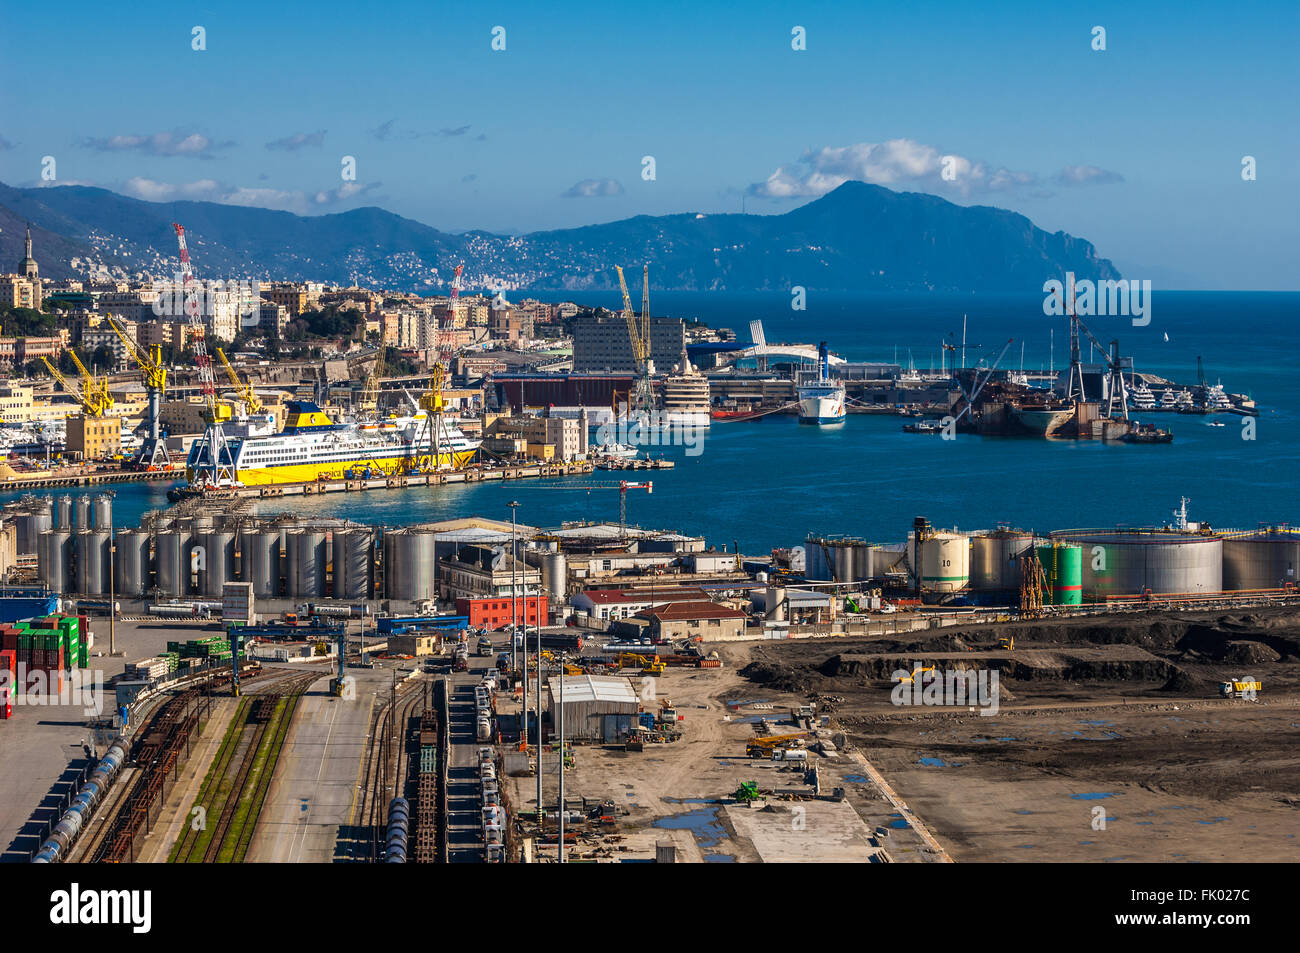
{"x": 1137, "y": 148}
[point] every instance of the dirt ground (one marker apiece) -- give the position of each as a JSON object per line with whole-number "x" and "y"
{"x": 1110, "y": 743}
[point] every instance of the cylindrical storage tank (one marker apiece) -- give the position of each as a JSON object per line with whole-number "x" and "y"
{"x": 304, "y": 564}
{"x": 63, "y": 513}
{"x": 774, "y": 601}
{"x": 173, "y": 572}
{"x": 81, "y": 512}
{"x": 131, "y": 571}
{"x": 409, "y": 565}
{"x": 92, "y": 562}
{"x": 1264, "y": 560}
{"x": 1134, "y": 562}
{"x": 101, "y": 514}
{"x": 218, "y": 566}
{"x": 995, "y": 560}
{"x": 1063, "y": 572}
{"x": 55, "y": 569}
{"x": 555, "y": 576}
{"x": 354, "y": 564}
{"x": 260, "y": 561}
{"x": 945, "y": 565}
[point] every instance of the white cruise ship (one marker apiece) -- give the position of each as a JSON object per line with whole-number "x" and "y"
{"x": 312, "y": 447}
{"x": 821, "y": 401}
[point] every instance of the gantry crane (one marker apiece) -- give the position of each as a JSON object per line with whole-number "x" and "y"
{"x": 213, "y": 464}
{"x": 623, "y": 487}
{"x": 90, "y": 392}
{"x": 641, "y": 400}
{"x": 244, "y": 391}
{"x": 153, "y": 451}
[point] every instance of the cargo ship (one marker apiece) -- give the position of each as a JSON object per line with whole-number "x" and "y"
{"x": 1044, "y": 418}
{"x": 821, "y": 401}
{"x": 313, "y": 447}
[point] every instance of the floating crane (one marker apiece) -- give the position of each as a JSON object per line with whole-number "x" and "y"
{"x": 213, "y": 464}
{"x": 153, "y": 451}
{"x": 245, "y": 391}
{"x": 90, "y": 392}
{"x": 641, "y": 400}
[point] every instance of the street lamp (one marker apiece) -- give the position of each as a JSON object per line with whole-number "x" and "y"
{"x": 514, "y": 625}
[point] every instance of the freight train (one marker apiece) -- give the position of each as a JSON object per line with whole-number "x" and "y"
{"x": 65, "y": 832}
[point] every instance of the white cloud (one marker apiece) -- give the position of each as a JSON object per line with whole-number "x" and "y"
{"x": 896, "y": 162}
{"x": 1087, "y": 175}
{"x": 593, "y": 188}
{"x": 210, "y": 190}
{"x": 160, "y": 144}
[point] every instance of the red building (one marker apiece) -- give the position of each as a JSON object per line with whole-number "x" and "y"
{"x": 494, "y": 613}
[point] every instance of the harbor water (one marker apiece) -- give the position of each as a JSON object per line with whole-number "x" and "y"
{"x": 771, "y": 482}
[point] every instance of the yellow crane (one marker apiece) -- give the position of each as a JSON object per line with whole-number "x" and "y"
{"x": 90, "y": 392}
{"x": 245, "y": 391}
{"x": 370, "y": 393}
{"x": 153, "y": 451}
{"x": 642, "y": 400}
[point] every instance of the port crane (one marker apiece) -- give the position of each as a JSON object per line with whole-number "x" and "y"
{"x": 641, "y": 400}
{"x": 153, "y": 451}
{"x": 218, "y": 469}
{"x": 622, "y": 486}
{"x": 433, "y": 402}
{"x": 245, "y": 391}
{"x": 90, "y": 392}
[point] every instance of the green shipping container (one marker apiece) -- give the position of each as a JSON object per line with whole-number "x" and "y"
{"x": 1063, "y": 568}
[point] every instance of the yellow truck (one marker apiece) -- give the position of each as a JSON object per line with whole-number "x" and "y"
{"x": 1241, "y": 688}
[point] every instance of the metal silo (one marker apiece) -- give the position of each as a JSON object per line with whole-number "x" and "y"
{"x": 81, "y": 512}
{"x": 304, "y": 564}
{"x": 54, "y": 556}
{"x": 555, "y": 575}
{"x": 354, "y": 566}
{"x": 260, "y": 561}
{"x": 1063, "y": 572}
{"x": 131, "y": 570}
{"x": 409, "y": 565}
{"x": 1269, "y": 559}
{"x": 101, "y": 513}
{"x": 1132, "y": 562}
{"x": 92, "y": 562}
{"x": 172, "y": 567}
{"x": 218, "y": 562}
{"x": 63, "y": 513}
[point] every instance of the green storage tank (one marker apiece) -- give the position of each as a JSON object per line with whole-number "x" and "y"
{"x": 1063, "y": 567}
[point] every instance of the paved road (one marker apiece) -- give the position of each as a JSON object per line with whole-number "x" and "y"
{"x": 308, "y": 814}
{"x": 464, "y": 802}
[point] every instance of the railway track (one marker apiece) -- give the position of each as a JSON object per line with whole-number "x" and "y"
{"x": 388, "y": 762}
{"x": 251, "y": 749}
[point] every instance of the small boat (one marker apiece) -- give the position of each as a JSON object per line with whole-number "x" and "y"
{"x": 1214, "y": 423}
{"x": 923, "y": 426}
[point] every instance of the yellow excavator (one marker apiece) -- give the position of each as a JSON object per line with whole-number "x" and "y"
{"x": 647, "y": 666}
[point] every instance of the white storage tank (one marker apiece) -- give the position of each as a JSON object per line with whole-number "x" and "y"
{"x": 944, "y": 566}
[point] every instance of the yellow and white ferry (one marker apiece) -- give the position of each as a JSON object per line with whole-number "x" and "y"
{"x": 313, "y": 447}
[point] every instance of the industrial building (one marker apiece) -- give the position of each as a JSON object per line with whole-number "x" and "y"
{"x": 601, "y": 343}
{"x": 596, "y": 708}
{"x": 689, "y": 620}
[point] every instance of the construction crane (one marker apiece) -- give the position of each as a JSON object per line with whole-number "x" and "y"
{"x": 623, "y": 487}
{"x": 641, "y": 400}
{"x": 213, "y": 463}
{"x": 245, "y": 391}
{"x": 90, "y": 392}
{"x": 153, "y": 451}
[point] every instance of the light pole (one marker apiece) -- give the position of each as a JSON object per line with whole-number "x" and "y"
{"x": 514, "y": 632}
{"x": 112, "y": 590}
{"x": 560, "y": 820}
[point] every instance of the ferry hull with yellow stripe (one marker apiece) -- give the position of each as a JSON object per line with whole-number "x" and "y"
{"x": 338, "y": 470}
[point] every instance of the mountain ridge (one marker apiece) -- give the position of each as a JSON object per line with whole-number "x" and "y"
{"x": 858, "y": 237}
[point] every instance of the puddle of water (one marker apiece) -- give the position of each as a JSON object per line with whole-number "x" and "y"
{"x": 1144, "y": 823}
{"x": 899, "y": 825}
{"x": 1092, "y": 796}
{"x": 703, "y": 825}
{"x": 1098, "y": 724}
{"x": 1085, "y": 843}
{"x": 719, "y": 858}
{"x": 1213, "y": 820}
{"x": 690, "y": 800}
{"x": 937, "y": 763}
{"x": 1023, "y": 811}
{"x": 1025, "y": 846}
{"x": 855, "y": 778}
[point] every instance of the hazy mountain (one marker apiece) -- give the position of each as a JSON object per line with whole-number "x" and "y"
{"x": 857, "y": 238}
